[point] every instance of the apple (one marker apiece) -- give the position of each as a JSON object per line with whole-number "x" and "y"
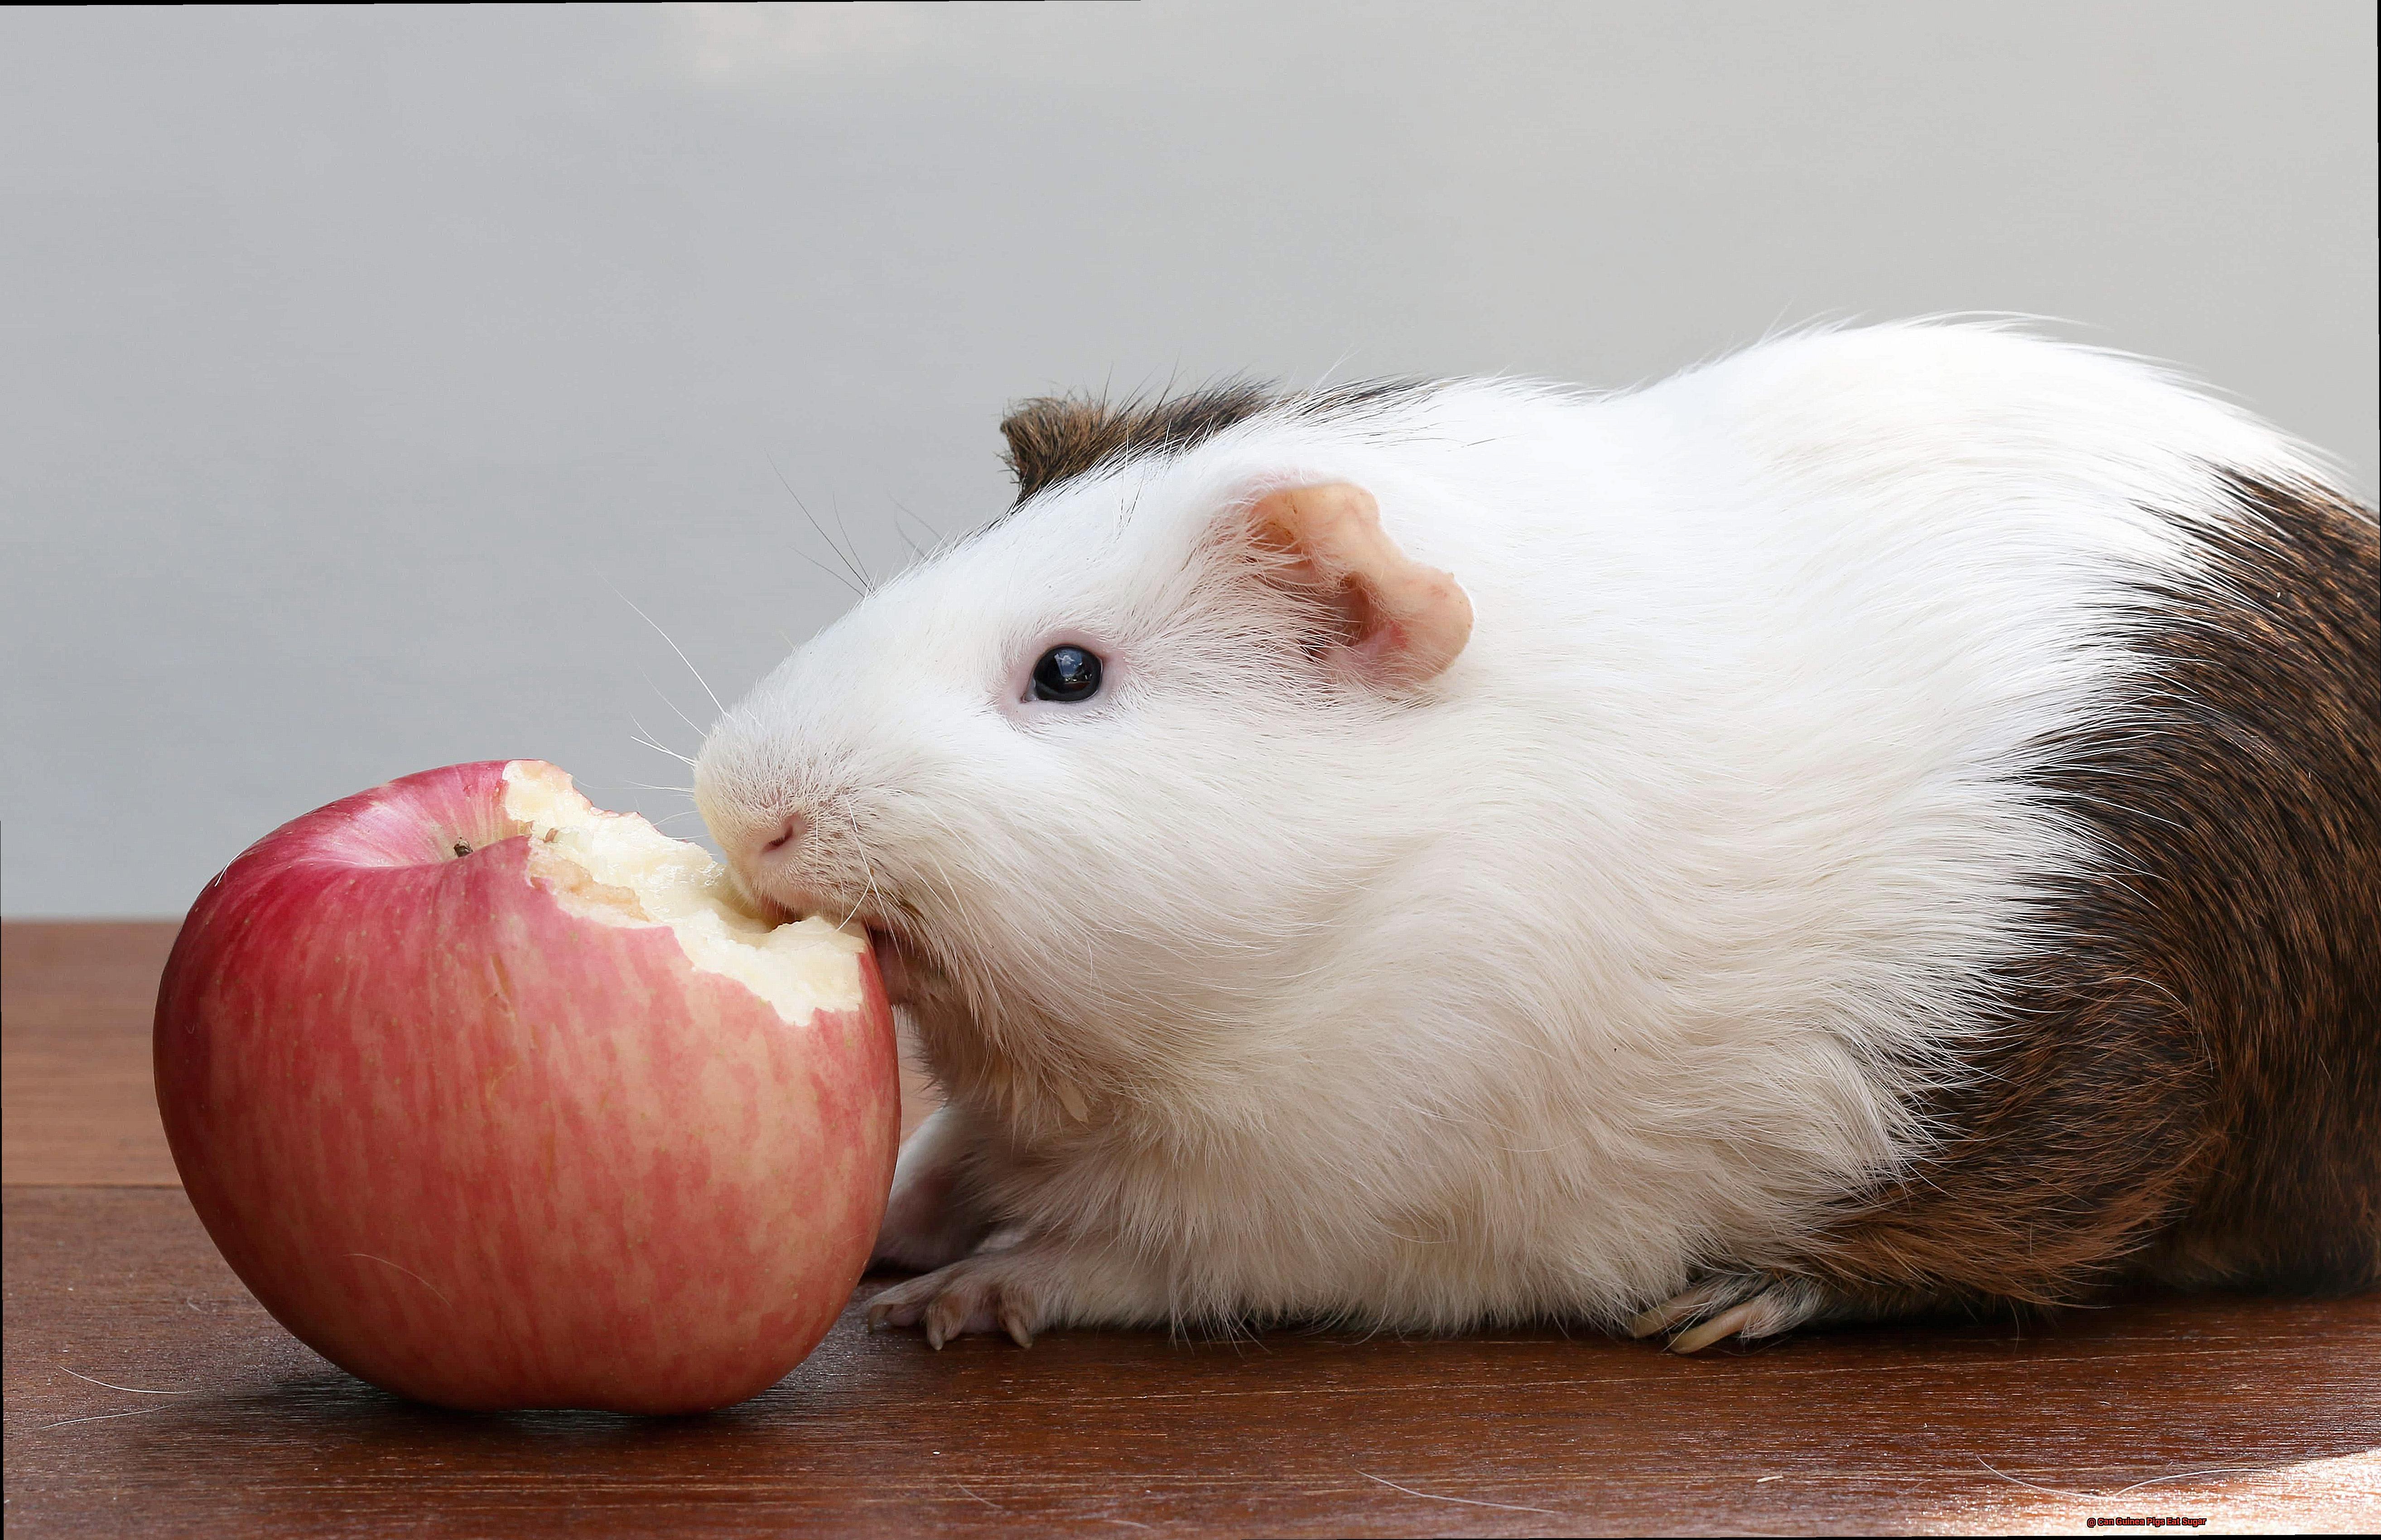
{"x": 501, "y": 1101}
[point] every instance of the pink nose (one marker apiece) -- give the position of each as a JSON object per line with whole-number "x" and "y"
{"x": 793, "y": 828}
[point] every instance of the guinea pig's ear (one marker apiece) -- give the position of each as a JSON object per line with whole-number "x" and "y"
{"x": 1395, "y": 623}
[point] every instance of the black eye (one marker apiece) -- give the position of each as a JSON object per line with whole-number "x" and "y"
{"x": 1065, "y": 674}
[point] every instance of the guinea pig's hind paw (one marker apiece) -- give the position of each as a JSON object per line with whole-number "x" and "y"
{"x": 1678, "y": 1308}
{"x": 1739, "y": 1306}
{"x": 1762, "y": 1315}
{"x": 965, "y": 1297}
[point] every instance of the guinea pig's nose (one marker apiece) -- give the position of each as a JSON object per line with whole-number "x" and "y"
{"x": 795, "y": 825}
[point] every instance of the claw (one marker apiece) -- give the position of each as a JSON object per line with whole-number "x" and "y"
{"x": 965, "y": 1297}
{"x": 891, "y": 1312}
{"x": 1670, "y": 1312}
{"x": 946, "y": 1318}
{"x": 1728, "y": 1322}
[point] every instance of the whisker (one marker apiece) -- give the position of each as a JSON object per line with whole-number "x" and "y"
{"x": 941, "y": 872}
{"x": 922, "y": 522}
{"x": 855, "y": 578}
{"x": 849, "y": 543}
{"x": 829, "y": 571}
{"x": 672, "y": 704}
{"x": 901, "y": 510}
{"x": 673, "y": 647}
{"x": 867, "y": 864}
{"x": 639, "y": 738}
{"x": 650, "y": 741}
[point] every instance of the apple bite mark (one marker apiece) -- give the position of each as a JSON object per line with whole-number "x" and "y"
{"x": 616, "y": 869}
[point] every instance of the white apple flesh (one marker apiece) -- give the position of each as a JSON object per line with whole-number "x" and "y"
{"x": 500, "y": 1101}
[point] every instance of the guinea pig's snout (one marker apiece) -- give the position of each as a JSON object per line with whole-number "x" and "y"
{"x": 760, "y": 849}
{"x": 765, "y": 842}
{"x": 754, "y": 837}
{"x": 789, "y": 831}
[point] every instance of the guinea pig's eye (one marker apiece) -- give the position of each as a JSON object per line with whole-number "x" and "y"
{"x": 1066, "y": 674}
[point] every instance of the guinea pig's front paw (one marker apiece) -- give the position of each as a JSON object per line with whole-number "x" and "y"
{"x": 1745, "y": 1305}
{"x": 930, "y": 1219}
{"x": 994, "y": 1292}
{"x": 925, "y": 1226}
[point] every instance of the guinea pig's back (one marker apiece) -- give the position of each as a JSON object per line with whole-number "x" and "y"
{"x": 2246, "y": 793}
{"x": 2180, "y": 1070}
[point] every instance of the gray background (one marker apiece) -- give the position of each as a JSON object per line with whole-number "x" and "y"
{"x": 358, "y": 369}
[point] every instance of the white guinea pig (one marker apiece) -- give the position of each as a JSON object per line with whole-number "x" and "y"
{"x": 1886, "y": 821}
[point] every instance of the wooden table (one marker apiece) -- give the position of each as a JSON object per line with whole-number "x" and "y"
{"x": 147, "y": 1393}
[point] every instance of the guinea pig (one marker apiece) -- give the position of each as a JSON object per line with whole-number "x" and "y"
{"x": 1886, "y": 822}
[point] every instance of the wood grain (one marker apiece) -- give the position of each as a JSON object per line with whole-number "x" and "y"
{"x": 2272, "y": 1404}
{"x": 2251, "y": 1414}
{"x": 75, "y": 1006}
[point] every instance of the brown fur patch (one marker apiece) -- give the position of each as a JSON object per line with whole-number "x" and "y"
{"x": 1052, "y": 438}
{"x": 2189, "y": 1090}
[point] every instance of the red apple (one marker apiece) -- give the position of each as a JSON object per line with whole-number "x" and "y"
{"x": 501, "y": 1101}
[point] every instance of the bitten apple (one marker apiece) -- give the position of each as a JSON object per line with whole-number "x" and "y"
{"x": 499, "y": 1100}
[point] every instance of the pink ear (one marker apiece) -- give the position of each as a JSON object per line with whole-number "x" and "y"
{"x": 1400, "y": 623}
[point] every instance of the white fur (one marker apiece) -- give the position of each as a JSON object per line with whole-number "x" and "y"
{"x": 1608, "y": 959}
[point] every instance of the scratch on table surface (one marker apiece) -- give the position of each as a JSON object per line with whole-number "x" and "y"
{"x": 1470, "y": 1502}
{"x": 979, "y": 1497}
{"x": 128, "y": 1389}
{"x": 2153, "y": 1481}
{"x": 101, "y": 1417}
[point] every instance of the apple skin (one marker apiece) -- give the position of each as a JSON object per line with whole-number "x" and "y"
{"x": 489, "y": 1154}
